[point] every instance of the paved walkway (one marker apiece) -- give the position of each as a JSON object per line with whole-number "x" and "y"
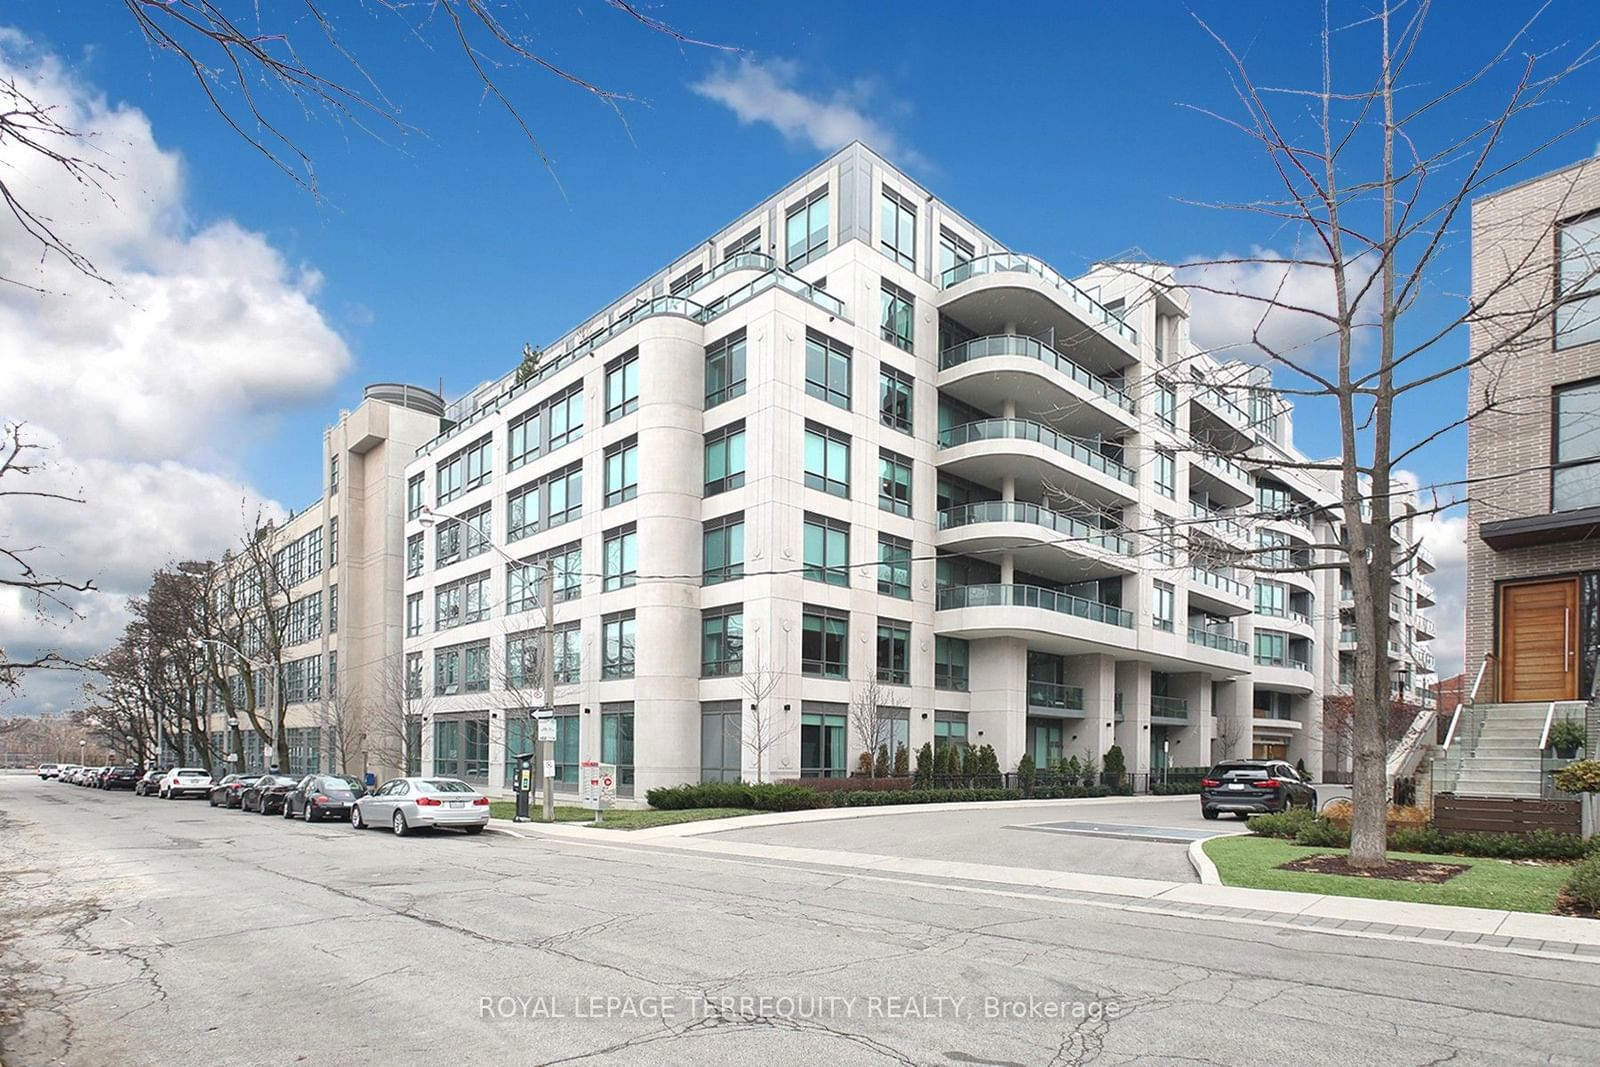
{"x": 1483, "y": 928}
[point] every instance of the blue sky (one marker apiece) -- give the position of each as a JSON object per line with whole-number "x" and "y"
{"x": 1067, "y": 130}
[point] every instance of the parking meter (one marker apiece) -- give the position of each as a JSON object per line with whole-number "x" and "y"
{"x": 523, "y": 784}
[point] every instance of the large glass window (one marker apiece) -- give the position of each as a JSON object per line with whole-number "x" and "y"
{"x": 565, "y": 416}
{"x": 1167, "y": 405}
{"x": 522, "y": 511}
{"x": 1165, "y": 540}
{"x": 479, "y": 466}
{"x": 1271, "y": 648}
{"x": 1163, "y": 607}
{"x": 475, "y": 667}
{"x": 899, "y": 316}
{"x": 447, "y": 479}
{"x": 521, "y": 732}
{"x": 414, "y": 550}
{"x": 894, "y": 652}
{"x": 953, "y": 250}
{"x": 826, "y": 550}
{"x": 566, "y": 750}
{"x": 894, "y": 566}
{"x": 622, "y": 385}
{"x": 1166, "y": 474}
{"x": 894, "y": 399}
{"x": 475, "y": 597}
{"x": 414, "y": 615}
{"x": 616, "y": 645}
{"x": 898, "y": 236}
{"x": 1578, "y": 283}
{"x": 478, "y": 533}
{"x": 725, "y": 369}
{"x": 950, "y": 658}
{"x": 824, "y": 643}
{"x": 446, "y": 544}
{"x": 721, "y": 641}
{"x": 446, "y": 746}
{"x": 949, "y": 728}
{"x": 1575, "y": 464}
{"x": 616, "y": 743}
{"x": 565, "y": 492}
{"x": 725, "y": 458}
{"x": 414, "y": 496}
{"x": 806, "y": 230}
{"x": 447, "y": 606}
{"x": 622, "y": 471}
{"x": 828, "y": 369}
{"x": 721, "y": 741}
{"x": 827, "y": 460}
{"x": 823, "y": 742}
{"x": 894, "y": 482}
{"x": 447, "y": 671}
{"x": 621, "y": 557}
{"x": 723, "y": 549}
{"x": 522, "y": 439}
{"x": 1272, "y": 598}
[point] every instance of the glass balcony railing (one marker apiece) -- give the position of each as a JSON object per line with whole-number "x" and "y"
{"x": 1023, "y": 430}
{"x": 1011, "y": 263}
{"x": 1225, "y": 467}
{"x": 1214, "y": 398}
{"x": 1294, "y": 663}
{"x": 1218, "y": 521}
{"x": 1347, "y": 635}
{"x": 1033, "y": 514}
{"x": 1220, "y": 642}
{"x": 1169, "y": 707}
{"x": 1032, "y": 348}
{"x": 742, "y": 261}
{"x": 1220, "y": 582}
{"x": 1032, "y": 596}
{"x": 1055, "y": 695}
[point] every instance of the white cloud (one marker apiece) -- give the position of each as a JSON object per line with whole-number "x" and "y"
{"x": 1237, "y": 297}
{"x": 766, "y": 91}
{"x": 145, "y": 390}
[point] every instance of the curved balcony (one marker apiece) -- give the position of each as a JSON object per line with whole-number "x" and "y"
{"x": 1208, "y": 522}
{"x": 1218, "y": 592}
{"x": 1221, "y": 479}
{"x": 1047, "y": 619}
{"x": 1215, "y": 642}
{"x": 1217, "y": 421}
{"x": 1041, "y": 541}
{"x": 1284, "y": 673}
{"x": 1041, "y": 460}
{"x": 986, "y": 372}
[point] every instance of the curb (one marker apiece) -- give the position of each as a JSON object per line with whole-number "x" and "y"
{"x": 1202, "y": 864}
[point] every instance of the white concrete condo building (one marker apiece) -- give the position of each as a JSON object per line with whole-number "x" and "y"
{"x": 853, "y": 450}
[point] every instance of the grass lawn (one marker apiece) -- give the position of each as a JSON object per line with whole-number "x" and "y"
{"x": 619, "y": 818}
{"x": 1251, "y": 862}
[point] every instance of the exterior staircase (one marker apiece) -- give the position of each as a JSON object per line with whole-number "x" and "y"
{"x": 1496, "y": 750}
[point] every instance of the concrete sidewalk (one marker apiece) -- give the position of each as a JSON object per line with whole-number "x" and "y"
{"x": 1482, "y": 927}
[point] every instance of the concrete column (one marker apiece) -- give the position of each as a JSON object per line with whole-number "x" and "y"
{"x": 1133, "y": 733}
{"x": 1190, "y": 745}
{"x": 1008, "y": 487}
{"x": 1233, "y": 724}
{"x": 999, "y": 669}
{"x": 1008, "y": 567}
{"x": 1098, "y": 675}
{"x": 1306, "y": 743}
{"x": 1009, "y": 409}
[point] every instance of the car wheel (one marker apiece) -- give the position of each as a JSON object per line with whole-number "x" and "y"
{"x": 310, "y": 814}
{"x": 263, "y": 808}
{"x": 473, "y": 829}
{"x": 400, "y": 827}
{"x": 286, "y": 814}
{"x": 1208, "y": 813}
{"x": 211, "y": 800}
{"x": 355, "y": 820}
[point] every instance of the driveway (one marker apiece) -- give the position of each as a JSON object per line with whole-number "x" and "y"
{"x": 1144, "y": 837}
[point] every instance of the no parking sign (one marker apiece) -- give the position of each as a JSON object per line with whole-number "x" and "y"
{"x": 599, "y": 784}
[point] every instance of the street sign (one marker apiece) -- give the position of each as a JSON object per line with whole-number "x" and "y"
{"x": 547, "y": 729}
{"x": 544, "y": 713}
{"x": 549, "y": 769}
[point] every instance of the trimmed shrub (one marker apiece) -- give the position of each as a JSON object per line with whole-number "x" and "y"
{"x": 1116, "y": 763}
{"x": 1026, "y": 773}
{"x": 1567, "y": 734}
{"x": 1175, "y": 789}
{"x": 851, "y": 784}
{"x": 764, "y": 797}
{"x": 924, "y": 764}
{"x": 1583, "y": 884}
{"x": 902, "y": 761}
{"x": 1582, "y": 776}
{"x": 1320, "y": 833}
{"x": 1339, "y": 812}
{"x": 1539, "y": 845}
{"x": 1286, "y": 824}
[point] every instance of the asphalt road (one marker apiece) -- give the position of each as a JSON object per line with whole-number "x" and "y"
{"x": 143, "y": 931}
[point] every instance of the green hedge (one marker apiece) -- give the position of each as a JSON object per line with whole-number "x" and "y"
{"x": 1583, "y": 884}
{"x": 783, "y": 797}
{"x": 1304, "y": 828}
{"x": 1175, "y": 789}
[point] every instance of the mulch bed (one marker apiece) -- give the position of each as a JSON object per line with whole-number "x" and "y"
{"x": 1565, "y": 905}
{"x": 1395, "y": 870}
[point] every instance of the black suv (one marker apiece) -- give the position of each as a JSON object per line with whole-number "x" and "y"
{"x": 1254, "y": 786}
{"x": 120, "y": 778}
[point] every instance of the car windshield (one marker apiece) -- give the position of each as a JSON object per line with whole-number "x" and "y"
{"x": 123, "y": 770}
{"x": 335, "y": 784}
{"x": 445, "y": 785}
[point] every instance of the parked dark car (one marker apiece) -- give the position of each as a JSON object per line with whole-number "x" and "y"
{"x": 1252, "y": 787}
{"x": 323, "y": 795}
{"x": 148, "y": 783}
{"x": 120, "y": 778}
{"x": 98, "y": 781}
{"x": 265, "y": 795}
{"x": 226, "y": 792}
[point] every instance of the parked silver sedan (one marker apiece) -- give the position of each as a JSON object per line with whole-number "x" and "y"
{"x": 407, "y": 804}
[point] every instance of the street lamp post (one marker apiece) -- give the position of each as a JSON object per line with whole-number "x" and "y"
{"x": 547, "y": 644}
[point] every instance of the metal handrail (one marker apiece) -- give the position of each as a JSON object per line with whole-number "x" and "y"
{"x": 1549, "y": 718}
{"x": 1472, "y": 699}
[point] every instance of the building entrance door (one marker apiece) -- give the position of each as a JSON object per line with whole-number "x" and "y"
{"x": 1539, "y": 641}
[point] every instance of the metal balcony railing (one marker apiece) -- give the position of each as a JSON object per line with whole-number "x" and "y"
{"x": 1220, "y": 642}
{"x": 1021, "y": 511}
{"x": 1023, "y": 430}
{"x": 1057, "y": 696}
{"x": 1032, "y": 596}
{"x": 1033, "y": 348}
{"x": 1219, "y": 521}
{"x": 1220, "y": 582}
{"x": 1169, "y": 707}
{"x": 1011, "y": 263}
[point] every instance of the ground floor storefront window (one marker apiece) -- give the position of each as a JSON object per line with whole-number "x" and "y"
{"x": 823, "y": 741}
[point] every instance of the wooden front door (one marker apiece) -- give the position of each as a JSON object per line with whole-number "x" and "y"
{"x": 1539, "y": 641}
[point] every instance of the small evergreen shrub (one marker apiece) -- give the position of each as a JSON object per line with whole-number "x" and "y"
{"x": 1286, "y": 824}
{"x": 924, "y": 776}
{"x": 1582, "y": 776}
{"x": 1583, "y": 884}
{"x": 1116, "y": 763}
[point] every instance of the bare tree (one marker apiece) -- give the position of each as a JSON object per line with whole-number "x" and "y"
{"x": 872, "y": 729}
{"x": 49, "y": 595}
{"x": 395, "y": 711}
{"x": 265, "y": 70}
{"x": 341, "y": 717}
{"x": 761, "y": 716}
{"x": 1372, "y": 200}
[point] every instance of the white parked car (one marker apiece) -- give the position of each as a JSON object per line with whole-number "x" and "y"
{"x": 185, "y": 782}
{"x": 407, "y": 804}
{"x": 49, "y": 770}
